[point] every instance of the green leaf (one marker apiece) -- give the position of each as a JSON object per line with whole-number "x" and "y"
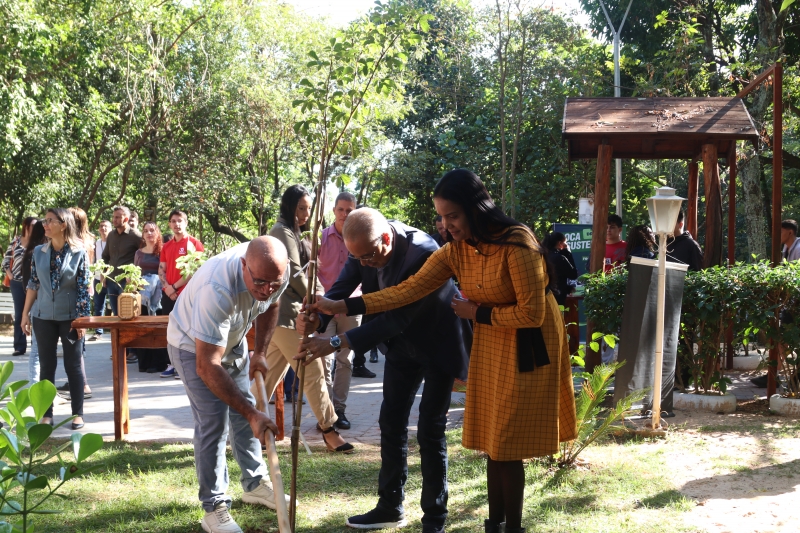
{"x": 786, "y": 4}
{"x": 41, "y": 395}
{"x": 85, "y": 445}
{"x": 38, "y": 434}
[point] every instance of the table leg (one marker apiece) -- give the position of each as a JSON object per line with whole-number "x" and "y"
{"x": 126, "y": 414}
{"x": 117, "y": 354}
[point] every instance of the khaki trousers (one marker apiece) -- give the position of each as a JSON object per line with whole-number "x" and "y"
{"x": 339, "y": 386}
{"x": 280, "y": 353}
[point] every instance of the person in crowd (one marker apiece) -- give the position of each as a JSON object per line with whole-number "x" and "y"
{"x": 133, "y": 221}
{"x": 331, "y": 259}
{"x": 12, "y": 266}
{"x": 641, "y": 243}
{"x": 172, "y": 281}
{"x": 36, "y": 238}
{"x": 359, "y": 361}
{"x": 615, "y": 246}
{"x": 295, "y": 210}
{"x": 440, "y": 235}
{"x": 563, "y": 266}
{"x": 120, "y": 249}
{"x": 520, "y": 401}
{"x": 88, "y": 242}
{"x": 148, "y": 258}
{"x": 424, "y": 340}
{"x": 684, "y": 249}
{"x": 789, "y": 241}
{"x": 207, "y": 344}
{"x": 59, "y": 286}
{"x": 99, "y": 298}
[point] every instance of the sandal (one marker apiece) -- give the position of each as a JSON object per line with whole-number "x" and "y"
{"x": 345, "y": 448}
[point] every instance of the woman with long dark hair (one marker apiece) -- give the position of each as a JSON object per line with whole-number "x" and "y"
{"x": 295, "y": 211}
{"x": 12, "y": 266}
{"x": 59, "y": 286}
{"x": 520, "y": 401}
{"x": 641, "y": 243}
{"x": 36, "y": 238}
{"x": 563, "y": 266}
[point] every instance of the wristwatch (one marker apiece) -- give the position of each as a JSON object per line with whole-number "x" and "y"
{"x": 336, "y": 342}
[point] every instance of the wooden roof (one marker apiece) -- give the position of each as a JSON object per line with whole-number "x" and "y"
{"x": 654, "y": 128}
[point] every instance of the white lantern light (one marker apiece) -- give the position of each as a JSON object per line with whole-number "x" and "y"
{"x": 664, "y": 208}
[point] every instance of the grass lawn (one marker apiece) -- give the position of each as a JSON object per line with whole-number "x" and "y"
{"x": 152, "y": 487}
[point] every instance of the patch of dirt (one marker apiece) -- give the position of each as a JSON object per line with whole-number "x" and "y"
{"x": 755, "y": 406}
{"x": 742, "y": 478}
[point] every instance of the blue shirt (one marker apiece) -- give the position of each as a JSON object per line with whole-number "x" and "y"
{"x": 216, "y": 307}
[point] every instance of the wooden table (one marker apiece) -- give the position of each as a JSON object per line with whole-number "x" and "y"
{"x": 145, "y": 332}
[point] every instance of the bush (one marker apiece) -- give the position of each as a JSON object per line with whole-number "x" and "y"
{"x": 754, "y": 298}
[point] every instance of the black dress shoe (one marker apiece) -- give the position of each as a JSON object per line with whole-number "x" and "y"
{"x": 373, "y": 356}
{"x": 363, "y": 372}
{"x": 342, "y": 422}
{"x": 17, "y": 352}
{"x": 77, "y": 425}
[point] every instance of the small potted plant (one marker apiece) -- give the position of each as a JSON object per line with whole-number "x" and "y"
{"x": 188, "y": 264}
{"x": 129, "y": 302}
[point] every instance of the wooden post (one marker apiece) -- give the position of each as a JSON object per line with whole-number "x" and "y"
{"x": 571, "y": 318}
{"x": 691, "y": 204}
{"x": 732, "y": 169}
{"x": 602, "y": 186}
{"x": 713, "y": 244}
{"x": 597, "y": 255}
{"x": 777, "y": 191}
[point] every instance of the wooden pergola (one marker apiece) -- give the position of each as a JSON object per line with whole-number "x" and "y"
{"x": 695, "y": 129}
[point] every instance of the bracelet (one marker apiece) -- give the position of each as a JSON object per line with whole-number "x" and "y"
{"x": 173, "y": 287}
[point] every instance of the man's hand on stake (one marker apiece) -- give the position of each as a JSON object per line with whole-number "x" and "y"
{"x": 313, "y": 348}
{"x": 260, "y": 423}
{"x": 258, "y": 363}
{"x": 327, "y": 307}
{"x": 306, "y": 324}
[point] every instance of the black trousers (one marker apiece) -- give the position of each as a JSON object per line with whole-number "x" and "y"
{"x": 402, "y": 377}
{"x": 48, "y": 332}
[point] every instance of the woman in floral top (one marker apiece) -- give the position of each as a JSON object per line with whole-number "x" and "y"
{"x": 58, "y": 293}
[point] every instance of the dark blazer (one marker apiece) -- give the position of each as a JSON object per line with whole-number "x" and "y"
{"x": 425, "y": 329}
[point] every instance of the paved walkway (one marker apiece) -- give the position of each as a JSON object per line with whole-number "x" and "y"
{"x": 160, "y": 409}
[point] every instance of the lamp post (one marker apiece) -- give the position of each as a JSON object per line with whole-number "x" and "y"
{"x": 663, "y": 208}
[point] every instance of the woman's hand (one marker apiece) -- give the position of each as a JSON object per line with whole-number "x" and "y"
{"x": 327, "y": 307}
{"x": 464, "y": 308}
{"x": 25, "y": 324}
{"x": 80, "y": 332}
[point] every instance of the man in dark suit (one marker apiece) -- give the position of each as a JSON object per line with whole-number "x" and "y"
{"x": 423, "y": 340}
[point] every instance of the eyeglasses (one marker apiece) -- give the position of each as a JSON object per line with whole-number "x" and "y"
{"x": 48, "y": 221}
{"x": 368, "y": 257}
{"x": 273, "y": 285}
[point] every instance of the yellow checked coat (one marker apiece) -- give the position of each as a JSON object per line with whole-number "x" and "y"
{"x": 510, "y": 415}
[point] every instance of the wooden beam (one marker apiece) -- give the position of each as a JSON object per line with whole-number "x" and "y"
{"x": 732, "y": 171}
{"x": 691, "y": 204}
{"x": 602, "y": 187}
{"x": 712, "y": 255}
{"x": 756, "y": 82}
{"x": 777, "y": 192}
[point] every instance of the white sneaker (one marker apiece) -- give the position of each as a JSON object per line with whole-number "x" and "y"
{"x": 220, "y": 521}
{"x": 262, "y": 495}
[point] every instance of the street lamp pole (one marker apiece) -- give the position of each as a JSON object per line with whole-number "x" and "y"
{"x": 663, "y": 209}
{"x": 615, "y": 34}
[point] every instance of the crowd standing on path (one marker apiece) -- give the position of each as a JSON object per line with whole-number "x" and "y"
{"x": 381, "y": 283}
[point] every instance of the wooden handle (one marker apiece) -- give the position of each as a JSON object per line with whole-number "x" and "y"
{"x": 284, "y": 525}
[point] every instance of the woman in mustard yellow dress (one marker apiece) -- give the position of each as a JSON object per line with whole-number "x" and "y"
{"x": 520, "y": 401}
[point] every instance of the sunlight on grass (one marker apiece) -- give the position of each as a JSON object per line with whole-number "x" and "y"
{"x": 152, "y": 487}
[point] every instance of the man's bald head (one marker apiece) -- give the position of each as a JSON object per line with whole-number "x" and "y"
{"x": 365, "y": 225}
{"x": 264, "y": 266}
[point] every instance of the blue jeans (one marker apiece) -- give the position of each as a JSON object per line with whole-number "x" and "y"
{"x": 47, "y": 334}
{"x": 402, "y": 377}
{"x": 113, "y": 290}
{"x": 99, "y": 300}
{"x": 212, "y": 420}
{"x": 18, "y": 295}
